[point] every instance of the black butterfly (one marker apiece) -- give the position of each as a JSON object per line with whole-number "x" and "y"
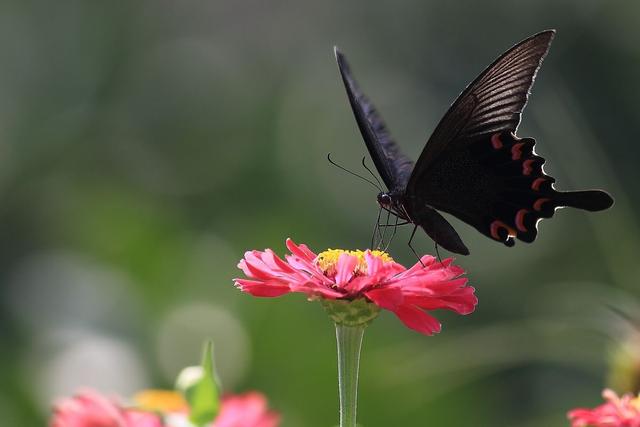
{"x": 473, "y": 166}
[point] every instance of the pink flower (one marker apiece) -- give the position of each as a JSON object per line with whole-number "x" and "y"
{"x": 91, "y": 409}
{"x": 615, "y": 412}
{"x": 370, "y": 275}
{"x": 246, "y": 410}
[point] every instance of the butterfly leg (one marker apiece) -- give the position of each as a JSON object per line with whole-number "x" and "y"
{"x": 395, "y": 229}
{"x": 384, "y": 230}
{"x": 438, "y": 253}
{"x": 396, "y": 225}
{"x": 376, "y": 228}
{"x": 413, "y": 233}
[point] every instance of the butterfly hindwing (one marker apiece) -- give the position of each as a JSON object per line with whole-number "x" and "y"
{"x": 496, "y": 184}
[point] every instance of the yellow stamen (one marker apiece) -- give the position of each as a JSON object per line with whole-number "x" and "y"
{"x": 328, "y": 260}
{"x": 161, "y": 401}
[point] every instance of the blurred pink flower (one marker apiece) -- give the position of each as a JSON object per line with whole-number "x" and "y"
{"x": 246, "y": 410}
{"x": 91, "y": 409}
{"x": 615, "y": 412}
{"x": 373, "y": 275}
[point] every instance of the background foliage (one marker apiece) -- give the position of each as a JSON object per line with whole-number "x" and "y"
{"x": 145, "y": 145}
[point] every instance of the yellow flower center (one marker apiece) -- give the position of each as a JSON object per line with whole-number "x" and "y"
{"x": 164, "y": 401}
{"x": 328, "y": 260}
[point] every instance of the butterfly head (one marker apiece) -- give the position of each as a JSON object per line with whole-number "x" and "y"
{"x": 385, "y": 200}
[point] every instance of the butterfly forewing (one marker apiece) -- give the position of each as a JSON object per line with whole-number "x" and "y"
{"x": 493, "y": 102}
{"x": 393, "y": 166}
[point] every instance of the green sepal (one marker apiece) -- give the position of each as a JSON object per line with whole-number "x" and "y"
{"x": 351, "y": 313}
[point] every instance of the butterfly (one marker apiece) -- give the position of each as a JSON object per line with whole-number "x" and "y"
{"x": 473, "y": 166}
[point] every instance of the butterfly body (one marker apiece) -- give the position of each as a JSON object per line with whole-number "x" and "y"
{"x": 473, "y": 167}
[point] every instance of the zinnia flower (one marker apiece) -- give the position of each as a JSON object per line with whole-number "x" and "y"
{"x": 369, "y": 276}
{"x": 91, "y": 409}
{"x": 615, "y": 412}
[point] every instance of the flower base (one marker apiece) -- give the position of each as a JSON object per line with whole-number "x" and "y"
{"x": 351, "y": 312}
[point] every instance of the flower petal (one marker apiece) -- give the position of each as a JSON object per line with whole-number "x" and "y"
{"x": 373, "y": 263}
{"x": 274, "y": 262}
{"x": 257, "y": 288}
{"x": 418, "y": 320}
{"x": 312, "y": 289}
{"x": 615, "y": 412}
{"x": 254, "y": 267}
{"x": 463, "y": 302}
{"x": 246, "y": 410}
{"x": 387, "y": 298}
{"x": 345, "y": 267}
{"x": 301, "y": 251}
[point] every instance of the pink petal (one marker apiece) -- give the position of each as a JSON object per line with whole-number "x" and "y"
{"x": 88, "y": 408}
{"x": 308, "y": 269}
{"x": 247, "y": 410}
{"x": 373, "y": 263}
{"x": 384, "y": 276}
{"x": 387, "y": 298}
{"x": 274, "y": 262}
{"x": 431, "y": 265}
{"x": 426, "y": 287}
{"x": 270, "y": 288}
{"x": 465, "y": 304}
{"x": 142, "y": 419}
{"x": 418, "y": 320}
{"x": 312, "y": 288}
{"x": 357, "y": 284}
{"x": 301, "y": 251}
{"x": 615, "y": 412}
{"x": 344, "y": 268}
{"x": 255, "y": 268}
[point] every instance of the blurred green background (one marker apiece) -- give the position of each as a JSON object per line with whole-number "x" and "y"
{"x": 144, "y": 146}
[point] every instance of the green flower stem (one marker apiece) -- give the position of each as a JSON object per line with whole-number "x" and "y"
{"x": 350, "y": 318}
{"x": 349, "y": 340}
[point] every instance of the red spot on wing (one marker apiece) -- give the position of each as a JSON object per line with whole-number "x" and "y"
{"x": 495, "y": 230}
{"x": 495, "y": 141}
{"x": 516, "y": 151}
{"x": 527, "y": 166}
{"x": 537, "y": 205}
{"x": 520, "y": 220}
{"x": 536, "y": 184}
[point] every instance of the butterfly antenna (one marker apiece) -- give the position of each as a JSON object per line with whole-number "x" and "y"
{"x": 372, "y": 174}
{"x": 352, "y": 173}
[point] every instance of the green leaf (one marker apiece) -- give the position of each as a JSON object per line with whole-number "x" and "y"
{"x": 201, "y": 391}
